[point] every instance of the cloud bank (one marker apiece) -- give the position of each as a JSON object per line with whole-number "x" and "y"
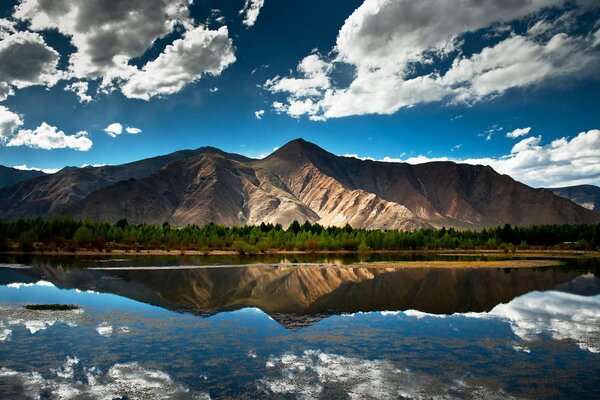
{"x": 393, "y": 48}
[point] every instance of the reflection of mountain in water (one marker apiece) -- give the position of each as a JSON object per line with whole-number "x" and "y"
{"x": 297, "y": 296}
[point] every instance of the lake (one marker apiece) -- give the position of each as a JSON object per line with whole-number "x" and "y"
{"x": 304, "y": 327}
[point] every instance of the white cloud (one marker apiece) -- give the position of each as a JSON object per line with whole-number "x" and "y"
{"x": 26, "y": 60}
{"x": 9, "y": 122}
{"x": 518, "y": 132}
{"x": 562, "y": 162}
{"x": 313, "y": 83}
{"x": 250, "y": 11}
{"x": 132, "y": 130}
{"x": 200, "y": 52}
{"x": 108, "y": 38}
{"x": 528, "y": 144}
{"x": 114, "y": 129}
{"x": 48, "y": 137}
{"x": 259, "y": 114}
{"x": 5, "y": 91}
{"x": 385, "y": 43}
{"x": 25, "y": 167}
{"x": 80, "y": 89}
{"x": 7, "y": 28}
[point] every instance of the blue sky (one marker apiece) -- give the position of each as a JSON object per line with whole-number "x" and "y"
{"x": 399, "y": 80}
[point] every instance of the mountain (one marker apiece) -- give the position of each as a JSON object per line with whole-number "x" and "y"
{"x": 299, "y": 181}
{"x": 53, "y": 194}
{"x": 10, "y": 176}
{"x": 587, "y": 196}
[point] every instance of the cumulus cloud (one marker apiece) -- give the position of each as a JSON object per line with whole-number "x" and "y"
{"x": 26, "y": 60}
{"x": 200, "y": 52}
{"x": 259, "y": 114}
{"x": 108, "y": 38}
{"x": 49, "y": 137}
{"x": 386, "y": 43}
{"x": 9, "y": 122}
{"x": 518, "y": 132}
{"x": 114, "y": 129}
{"x": 562, "y": 162}
{"x": 250, "y": 11}
{"x": 81, "y": 90}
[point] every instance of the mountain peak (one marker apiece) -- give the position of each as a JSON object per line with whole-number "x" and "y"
{"x": 299, "y": 147}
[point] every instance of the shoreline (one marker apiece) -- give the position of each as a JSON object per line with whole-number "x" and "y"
{"x": 551, "y": 253}
{"x": 387, "y": 265}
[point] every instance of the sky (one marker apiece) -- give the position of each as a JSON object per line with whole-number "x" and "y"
{"x": 514, "y": 85}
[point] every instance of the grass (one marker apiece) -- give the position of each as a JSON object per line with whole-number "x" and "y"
{"x": 52, "y": 307}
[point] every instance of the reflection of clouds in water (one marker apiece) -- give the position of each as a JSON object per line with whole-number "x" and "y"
{"x": 37, "y": 320}
{"x": 129, "y": 380}
{"x": 19, "y": 285}
{"x": 4, "y": 332}
{"x": 560, "y": 315}
{"x": 315, "y": 374}
{"x": 104, "y": 329}
{"x": 14, "y": 266}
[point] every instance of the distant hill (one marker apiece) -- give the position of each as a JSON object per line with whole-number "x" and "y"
{"x": 300, "y": 181}
{"x": 10, "y": 176}
{"x": 587, "y": 196}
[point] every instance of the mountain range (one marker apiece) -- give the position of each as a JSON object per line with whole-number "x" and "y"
{"x": 299, "y": 181}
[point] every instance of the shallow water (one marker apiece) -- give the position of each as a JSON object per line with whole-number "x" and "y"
{"x": 291, "y": 331}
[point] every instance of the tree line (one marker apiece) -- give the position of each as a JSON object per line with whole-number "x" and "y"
{"x": 68, "y": 234}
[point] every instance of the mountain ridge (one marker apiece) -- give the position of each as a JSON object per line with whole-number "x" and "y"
{"x": 11, "y": 176}
{"x": 299, "y": 181}
{"x": 587, "y": 196}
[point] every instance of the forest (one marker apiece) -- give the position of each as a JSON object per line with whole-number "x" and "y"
{"x": 67, "y": 234}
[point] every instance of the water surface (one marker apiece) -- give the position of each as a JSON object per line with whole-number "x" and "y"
{"x": 296, "y": 331}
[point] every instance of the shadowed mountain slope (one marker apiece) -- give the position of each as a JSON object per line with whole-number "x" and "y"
{"x": 10, "y": 176}
{"x": 300, "y": 182}
{"x": 587, "y": 196}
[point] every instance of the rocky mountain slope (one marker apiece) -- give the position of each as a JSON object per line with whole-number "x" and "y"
{"x": 300, "y": 182}
{"x": 587, "y": 196}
